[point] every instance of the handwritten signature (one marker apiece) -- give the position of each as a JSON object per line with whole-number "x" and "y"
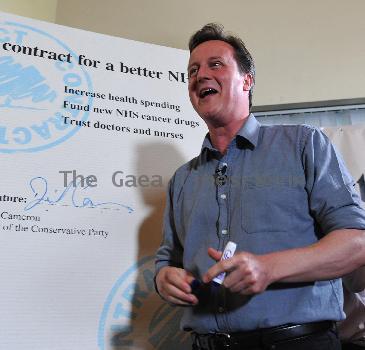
{"x": 70, "y": 194}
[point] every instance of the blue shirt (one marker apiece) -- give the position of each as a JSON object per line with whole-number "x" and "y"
{"x": 286, "y": 187}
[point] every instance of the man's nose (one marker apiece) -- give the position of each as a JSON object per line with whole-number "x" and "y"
{"x": 203, "y": 73}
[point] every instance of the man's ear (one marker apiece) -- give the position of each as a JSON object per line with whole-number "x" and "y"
{"x": 248, "y": 82}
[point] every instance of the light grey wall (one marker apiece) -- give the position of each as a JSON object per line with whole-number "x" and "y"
{"x": 305, "y": 50}
{"x": 39, "y": 9}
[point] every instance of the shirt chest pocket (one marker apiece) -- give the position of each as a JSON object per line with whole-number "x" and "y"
{"x": 267, "y": 209}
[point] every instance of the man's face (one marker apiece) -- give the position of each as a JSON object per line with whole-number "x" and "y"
{"x": 217, "y": 89}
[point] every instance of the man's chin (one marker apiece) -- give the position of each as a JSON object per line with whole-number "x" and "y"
{"x": 206, "y": 114}
{"x": 211, "y": 118}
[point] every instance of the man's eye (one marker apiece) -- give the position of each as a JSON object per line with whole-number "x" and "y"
{"x": 192, "y": 71}
{"x": 215, "y": 64}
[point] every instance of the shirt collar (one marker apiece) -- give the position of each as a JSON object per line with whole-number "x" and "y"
{"x": 249, "y": 131}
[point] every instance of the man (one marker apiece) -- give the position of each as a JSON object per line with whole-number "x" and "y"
{"x": 281, "y": 193}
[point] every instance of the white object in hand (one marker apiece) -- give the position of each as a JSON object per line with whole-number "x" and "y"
{"x": 227, "y": 254}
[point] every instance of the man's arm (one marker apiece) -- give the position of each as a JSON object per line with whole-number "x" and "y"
{"x": 172, "y": 282}
{"x": 335, "y": 255}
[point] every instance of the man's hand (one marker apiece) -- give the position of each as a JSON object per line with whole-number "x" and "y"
{"x": 173, "y": 285}
{"x": 336, "y": 254}
{"x": 246, "y": 273}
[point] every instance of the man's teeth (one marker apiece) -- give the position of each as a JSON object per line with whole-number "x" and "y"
{"x": 207, "y": 92}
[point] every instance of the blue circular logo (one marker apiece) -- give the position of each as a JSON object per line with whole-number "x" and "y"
{"x": 33, "y": 92}
{"x": 134, "y": 316}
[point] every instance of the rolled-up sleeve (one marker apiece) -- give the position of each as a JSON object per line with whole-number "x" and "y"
{"x": 170, "y": 252}
{"x": 333, "y": 200}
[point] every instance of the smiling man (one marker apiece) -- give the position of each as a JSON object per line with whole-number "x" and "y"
{"x": 281, "y": 193}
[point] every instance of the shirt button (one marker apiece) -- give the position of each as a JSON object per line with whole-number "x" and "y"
{"x": 224, "y": 232}
{"x": 223, "y": 196}
{"x": 221, "y": 309}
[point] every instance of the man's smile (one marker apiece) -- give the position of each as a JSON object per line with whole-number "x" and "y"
{"x": 207, "y": 91}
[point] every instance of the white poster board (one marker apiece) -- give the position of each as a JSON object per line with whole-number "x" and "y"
{"x": 76, "y": 253}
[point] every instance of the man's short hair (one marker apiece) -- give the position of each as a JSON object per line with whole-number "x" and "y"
{"x": 214, "y": 31}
